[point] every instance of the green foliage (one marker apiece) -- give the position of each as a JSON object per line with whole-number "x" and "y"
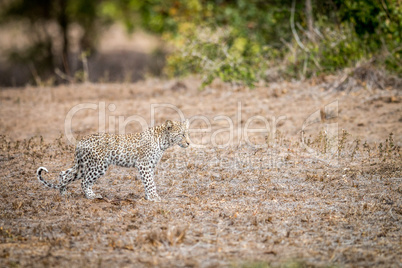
{"x": 335, "y": 48}
{"x": 228, "y": 40}
{"x": 378, "y": 26}
{"x": 236, "y": 41}
{"x": 215, "y": 53}
{"x": 157, "y": 16}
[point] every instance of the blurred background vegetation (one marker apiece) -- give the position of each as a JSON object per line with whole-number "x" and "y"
{"x": 242, "y": 42}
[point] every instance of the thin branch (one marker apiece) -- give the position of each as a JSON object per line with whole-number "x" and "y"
{"x": 385, "y": 7}
{"x": 292, "y": 26}
{"x": 63, "y": 75}
{"x": 85, "y": 66}
{"x": 318, "y": 33}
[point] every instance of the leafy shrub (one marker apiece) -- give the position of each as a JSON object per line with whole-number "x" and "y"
{"x": 216, "y": 53}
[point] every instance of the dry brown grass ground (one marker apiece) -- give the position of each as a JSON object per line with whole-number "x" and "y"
{"x": 220, "y": 207}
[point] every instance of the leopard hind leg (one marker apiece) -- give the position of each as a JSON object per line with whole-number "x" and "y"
{"x": 70, "y": 175}
{"x": 94, "y": 171}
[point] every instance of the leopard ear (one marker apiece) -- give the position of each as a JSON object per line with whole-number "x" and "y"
{"x": 169, "y": 124}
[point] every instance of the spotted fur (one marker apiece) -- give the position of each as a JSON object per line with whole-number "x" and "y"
{"x": 95, "y": 153}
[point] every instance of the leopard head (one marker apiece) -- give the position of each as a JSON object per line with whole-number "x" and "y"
{"x": 177, "y": 133}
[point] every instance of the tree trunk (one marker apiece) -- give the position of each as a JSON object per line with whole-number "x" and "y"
{"x": 63, "y": 21}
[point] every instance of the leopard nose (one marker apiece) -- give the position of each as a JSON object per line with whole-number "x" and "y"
{"x": 185, "y": 144}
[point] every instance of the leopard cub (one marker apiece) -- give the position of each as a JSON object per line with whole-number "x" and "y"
{"x": 95, "y": 153}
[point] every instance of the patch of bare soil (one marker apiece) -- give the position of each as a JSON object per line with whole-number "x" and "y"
{"x": 324, "y": 188}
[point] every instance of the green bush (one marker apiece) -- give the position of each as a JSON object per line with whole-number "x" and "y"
{"x": 240, "y": 41}
{"x": 237, "y": 41}
{"x": 216, "y": 53}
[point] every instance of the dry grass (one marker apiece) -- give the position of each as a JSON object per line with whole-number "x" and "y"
{"x": 239, "y": 206}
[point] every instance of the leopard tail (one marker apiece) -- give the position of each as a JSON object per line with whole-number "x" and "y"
{"x": 48, "y": 184}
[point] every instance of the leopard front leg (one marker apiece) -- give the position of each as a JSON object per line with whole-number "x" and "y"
{"x": 147, "y": 177}
{"x": 87, "y": 188}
